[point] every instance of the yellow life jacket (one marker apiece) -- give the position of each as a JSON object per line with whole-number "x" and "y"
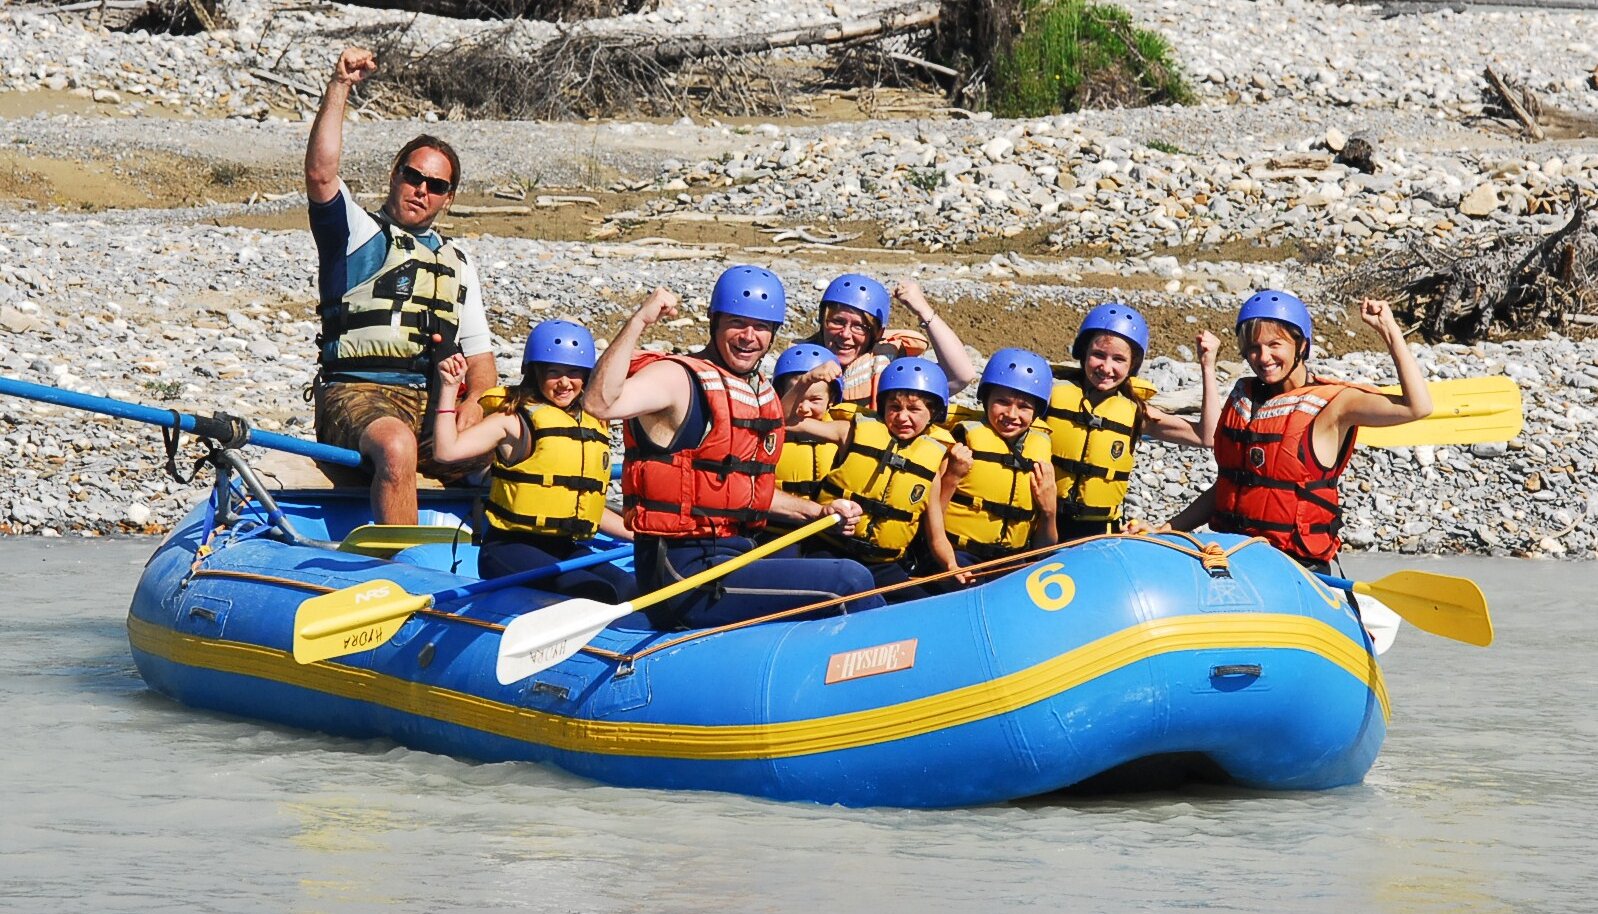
{"x": 559, "y": 490}
{"x": 388, "y": 322}
{"x": 802, "y": 464}
{"x": 991, "y": 512}
{"x": 1093, "y": 448}
{"x": 892, "y": 483}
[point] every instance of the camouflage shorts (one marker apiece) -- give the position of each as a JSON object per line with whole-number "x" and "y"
{"x": 345, "y": 408}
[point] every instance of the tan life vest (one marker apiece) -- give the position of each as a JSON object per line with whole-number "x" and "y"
{"x": 388, "y": 322}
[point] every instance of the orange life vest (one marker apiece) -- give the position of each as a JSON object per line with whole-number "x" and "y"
{"x": 1270, "y": 483}
{"x": 720, "y": 487}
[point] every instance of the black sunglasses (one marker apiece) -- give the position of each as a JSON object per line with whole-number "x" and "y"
{"x": 436, "y": 186}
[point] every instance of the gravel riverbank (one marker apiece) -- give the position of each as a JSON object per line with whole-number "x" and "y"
{"x": 1016, "y": 227}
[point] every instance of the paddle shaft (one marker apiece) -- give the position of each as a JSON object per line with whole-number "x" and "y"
{"x": 384, "y": 608}
{"x": 731, "y": 565}
{"x": 215, "y": 428}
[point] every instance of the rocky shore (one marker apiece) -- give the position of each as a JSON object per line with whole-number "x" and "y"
{"x": 1014, "y": 227}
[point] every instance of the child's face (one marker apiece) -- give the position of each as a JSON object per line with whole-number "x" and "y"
{"x": 1272, "y": 353}
{"x": 1108, "y": 361}
{"x": 1010, "y": 413}
{"x": 561, "y": 385}
{"x": 906, "y": 414}
{"x": 815, "y": 402}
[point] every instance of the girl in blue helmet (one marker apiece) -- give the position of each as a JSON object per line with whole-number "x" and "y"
{"x": 551, "y": 466}
{"x": 1098, "y": 412}
{"x": 892, "y": 467}
{"x": 998, "y": 494}
{"x": 1285, "y": 436}
{"x": 853, "y": 325}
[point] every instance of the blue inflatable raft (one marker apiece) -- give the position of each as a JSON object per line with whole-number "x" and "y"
{"x": 1120, "y": 655}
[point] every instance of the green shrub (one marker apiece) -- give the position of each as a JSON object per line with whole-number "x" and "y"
{"x": 1068, "y": 55}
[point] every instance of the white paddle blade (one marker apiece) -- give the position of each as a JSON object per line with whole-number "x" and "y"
{"x": 1380, "y": 620}
{"x": 535, "y": 641}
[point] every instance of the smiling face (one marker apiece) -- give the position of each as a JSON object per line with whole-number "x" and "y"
{"x": 1010, "y": 412}
{"x": 420, "y": 189}
{"x": 560, "y": 385}
{"x": 815, "y": 401}
{"x": 848, "y": 332}
{"x": 1272, "y": 351}
{"x": 906, "y": 414}
{"x": 1107, "y": 362}
{"x": 741, "y": 342}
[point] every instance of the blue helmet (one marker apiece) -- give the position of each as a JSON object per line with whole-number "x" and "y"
{"x": 798, "y": 359}
{"x": 919, "y": 375}
{"x": 560, "y": 343}
{"x": 861, "y": 293}
{"x": 1121, "y": 320}
{"x": 752, "y": 292}
{"x": 1278, "y": 306}
{"x": 1021, "y": 370}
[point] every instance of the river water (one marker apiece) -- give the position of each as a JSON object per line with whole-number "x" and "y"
{"x": 113, "y": 799}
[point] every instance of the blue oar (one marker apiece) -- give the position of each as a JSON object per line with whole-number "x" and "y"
{"x": 215, "y": 428}
{"x": 363, "y": 616}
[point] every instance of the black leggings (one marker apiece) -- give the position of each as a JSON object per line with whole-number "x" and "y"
{"x": 503, "y": 555}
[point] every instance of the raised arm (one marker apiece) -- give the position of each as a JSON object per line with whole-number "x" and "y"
{"x": 326, "y": 145}
{"x": 1359, "y": 407}
{"x": 451, "y": 444}
{"x": 1210, "y": 405}
{"x": 952, "y": 357}
{"x": 610, "y": 394}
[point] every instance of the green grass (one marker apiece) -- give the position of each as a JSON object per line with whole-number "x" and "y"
{"x": 1070, "y": 55}
{"x": 1166, "y": 147}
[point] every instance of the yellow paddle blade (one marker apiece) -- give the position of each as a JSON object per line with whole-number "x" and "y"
{"x": 354, "y": 619}
{"x": 383, "y": 540}
{"x": 1438, "y": 603}
{"x": 1464, "y": 411}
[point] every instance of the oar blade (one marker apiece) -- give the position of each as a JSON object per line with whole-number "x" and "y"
{"x": 354, "y": 619}
{"x": 536, "y": 641}
{"x": 1442, "y": 604}
{"x": 383, "y": 540}
{"x": 1464, "y": 411}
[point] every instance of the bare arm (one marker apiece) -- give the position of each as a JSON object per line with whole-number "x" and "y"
{"x": 1360, "y": 407}
{"x": 1045, "y": 532}
{"x": 1210, "y": 406}
{"x": 611, "y": 524}
{"x": 936, "y": 536}
{"x": 952, "y": 357}
{"x": 326, "y": 145}
{"x": 611, "y": 394}
{"x": 451, "y": 444}
{"x": 481, "y": 377}
{"x": 835, "y": 431}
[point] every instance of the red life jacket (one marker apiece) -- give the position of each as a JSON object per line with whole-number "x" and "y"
{"x": 1270, "y": 483}
{"x": 721, "y": 487}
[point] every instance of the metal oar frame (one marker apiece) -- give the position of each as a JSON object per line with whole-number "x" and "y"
{"x": 225, "y": 435}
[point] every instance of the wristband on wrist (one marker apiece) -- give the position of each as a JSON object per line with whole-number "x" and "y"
{"x": 442, "y": 412}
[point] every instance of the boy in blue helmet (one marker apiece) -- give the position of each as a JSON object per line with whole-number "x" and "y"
{"x": 1285, "y": 436}
{"x": 998, "y": 495}
{"x": 853, "y": 325}
{"x": 702, "y": 434}
{"x": 1098, "y": 413}
{"x": 551, "y": 465}
{"x": 891, "y": 466}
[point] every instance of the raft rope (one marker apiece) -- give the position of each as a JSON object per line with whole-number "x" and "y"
{"x": 1212, "y": 556}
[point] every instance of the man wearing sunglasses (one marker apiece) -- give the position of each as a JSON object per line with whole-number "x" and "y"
{"x": 396, "y": 298}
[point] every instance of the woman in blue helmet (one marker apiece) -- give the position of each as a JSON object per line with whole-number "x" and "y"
{"x": 892, "y": 467}
{"x": 1098, "y": 412}
{"x": 551, "y": 465}
{"x": 853, "y": 320}
{"x": 1285, "y": 436}
{"x": 702, "y": 434}
{"x": 999, "y": 492}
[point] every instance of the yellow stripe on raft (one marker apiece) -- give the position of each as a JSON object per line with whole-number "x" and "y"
{"x": 777, "y": 740}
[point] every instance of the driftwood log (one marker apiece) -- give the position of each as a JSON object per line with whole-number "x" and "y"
{"x": 584, "y": 73}
{"x": 1515, "y": 284}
